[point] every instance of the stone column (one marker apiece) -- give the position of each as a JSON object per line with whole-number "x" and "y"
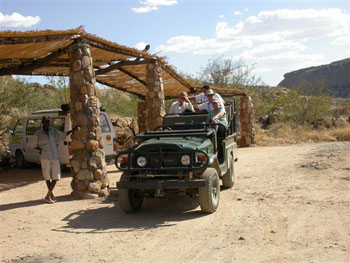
{"x": 155, "y": 96}
{"x": 246, "y": 122}
{"x": 141, "y": 116}
{"x": 88, "y": 163}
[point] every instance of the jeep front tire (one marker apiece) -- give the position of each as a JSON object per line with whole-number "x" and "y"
{"x": 130, "y": 200}
{"x": 209, "y": 196}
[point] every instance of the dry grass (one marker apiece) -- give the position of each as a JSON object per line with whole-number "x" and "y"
{"x": 282, "y": 133}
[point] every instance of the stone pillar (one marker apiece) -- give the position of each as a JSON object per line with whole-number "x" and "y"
{"x": 141, "y": 116}
{"x": 246, "y": 122}
{"x": 88, "y": 163}
{"x": 155, "y": 96}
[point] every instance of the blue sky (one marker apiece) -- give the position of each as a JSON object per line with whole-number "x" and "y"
{"x": 277, "y": 36}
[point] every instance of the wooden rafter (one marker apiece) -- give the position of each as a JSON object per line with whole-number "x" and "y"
{"x": 28, "y": 69}
{"x": 121, "y": 89}
{"x": 132, "y": 75}
{"x": 120, "y": 64}
{"x": 27, "y": 40}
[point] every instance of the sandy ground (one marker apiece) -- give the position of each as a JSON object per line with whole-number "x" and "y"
{"x": 289, "y": 204}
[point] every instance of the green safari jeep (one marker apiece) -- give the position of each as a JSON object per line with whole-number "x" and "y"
{"x": 184, "y": 155}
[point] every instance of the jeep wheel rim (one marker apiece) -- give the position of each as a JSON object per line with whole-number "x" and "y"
{"x": 214, "y": 189}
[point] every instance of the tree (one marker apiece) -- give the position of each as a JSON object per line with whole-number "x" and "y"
{"x": 227, "y": 73}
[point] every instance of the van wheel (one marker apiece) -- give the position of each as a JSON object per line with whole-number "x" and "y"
{"x": 20, "y": 161}
{"x": 130, "y": 200}
{"x": 228, "y": 180}
{"x": 209, "y": 196}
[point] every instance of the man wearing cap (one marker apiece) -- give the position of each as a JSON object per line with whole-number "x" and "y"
{"x": 46, "y": 143}
{"x": 210, "y": 95}
{"x": 203, "y": 97}
{"x": 181, "y": 105}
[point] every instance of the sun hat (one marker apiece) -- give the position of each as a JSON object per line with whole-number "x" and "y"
{"x": 210, "y": 92}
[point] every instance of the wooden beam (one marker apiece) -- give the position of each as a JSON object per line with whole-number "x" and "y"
{"x": 26, "y": 40}
{"x": 28, "y": 69}
{"x": 176, "y": 76}
{"x": 120, "y": 64}
{"x": 121, "y": 89}
{"x": 132, "y": 75}
{"x": 115, "y": 49}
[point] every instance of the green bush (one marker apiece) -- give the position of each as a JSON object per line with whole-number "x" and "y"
{"x": 118, "y": 102}
{"x": 293, "y": 106}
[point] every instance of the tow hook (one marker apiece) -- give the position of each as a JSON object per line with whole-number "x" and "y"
{"x": 160, "y": 190}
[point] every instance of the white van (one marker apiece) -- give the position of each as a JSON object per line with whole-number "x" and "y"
{"x": 23, "y": 134}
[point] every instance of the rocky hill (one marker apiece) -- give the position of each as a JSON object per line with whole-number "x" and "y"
{"x": 333, "y": 77}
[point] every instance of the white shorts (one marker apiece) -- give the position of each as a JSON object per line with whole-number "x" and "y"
{"x": 51, "y": 169}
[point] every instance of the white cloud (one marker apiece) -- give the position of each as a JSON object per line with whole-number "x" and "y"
{"x": 152, "y": 5}
{"x": 245, "y": 9}
{"x": 222, "y": 16}
{"x": 345, "y": 40}
{"x": 237, "y": 13}
{"x": 297, "y": 24}
{"x": 18, "y": 20}
{"x": 282, "y": 40}
{"x": 197, "y": 45}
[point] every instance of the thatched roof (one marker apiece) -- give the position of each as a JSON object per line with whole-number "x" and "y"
{"x": 45, "y": 53}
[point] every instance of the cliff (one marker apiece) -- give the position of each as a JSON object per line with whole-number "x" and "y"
{"x": 333, "y": 77}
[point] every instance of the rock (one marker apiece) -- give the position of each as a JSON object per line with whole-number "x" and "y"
{"x": 241, "y": 238}
{"x": 85, "y": 61}
{"x": 104, "y": 181}
{"x": 81, "y": 185}
{"x": 75, "y": 165}
{"x": 92, "y": 145}
{"x": 88, "y": 195}
{"x": 95, "y": 186}
{"x": 104, "y": 192}
{"x": 77, "y": 145}
{"x": 334, "y": 77}
{"x": 95, "y": 163}
{"x": 85, "y": 174}
{"x": 98, "y": 173}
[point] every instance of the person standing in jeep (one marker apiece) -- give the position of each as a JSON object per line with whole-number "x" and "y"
{"x": 46, "y": 143}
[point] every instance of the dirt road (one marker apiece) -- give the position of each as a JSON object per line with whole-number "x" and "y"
{"x": 289, "y": 204}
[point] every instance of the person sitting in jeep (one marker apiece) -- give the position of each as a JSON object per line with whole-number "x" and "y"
{"x": 183, "y": 104}
{"x": 207, "y": 106}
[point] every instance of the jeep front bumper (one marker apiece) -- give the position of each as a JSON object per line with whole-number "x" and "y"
{"x": 161, "y": 184}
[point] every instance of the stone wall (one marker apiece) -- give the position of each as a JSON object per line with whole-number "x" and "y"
{"x": 88, "y": 165}
{"x": 142, "y": 116}
{"x": 246, "y": 122}
{"x": 155, "y": 96}
{"x": 125, "y": 129}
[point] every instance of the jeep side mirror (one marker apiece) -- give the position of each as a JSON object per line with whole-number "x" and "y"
{"x": 11, "y": 132}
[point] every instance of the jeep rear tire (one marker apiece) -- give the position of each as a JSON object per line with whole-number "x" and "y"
{"x": 209, "y": 196}
{"x": 228, "y": 180}
{"x": 130, "y": 200}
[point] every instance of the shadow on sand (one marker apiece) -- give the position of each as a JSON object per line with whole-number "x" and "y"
{"x": 30, "y": 203}
{"x": 155, "y": 213}
{"x": 16, "y": 177}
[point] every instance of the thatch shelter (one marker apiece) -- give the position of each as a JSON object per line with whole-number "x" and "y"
{"x": 87, "y": 59}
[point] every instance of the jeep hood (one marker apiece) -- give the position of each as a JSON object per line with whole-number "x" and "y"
{"x": 193, "y": 143}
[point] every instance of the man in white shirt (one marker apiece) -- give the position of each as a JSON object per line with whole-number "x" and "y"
{"x": 210, "y": 95}
{"x": 46, "y": 143}
{"x": 183, "y": 103}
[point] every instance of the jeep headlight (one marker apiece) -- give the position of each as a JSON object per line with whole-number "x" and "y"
{"x": 141, "y": 161}
{"x": 185, "y": 160}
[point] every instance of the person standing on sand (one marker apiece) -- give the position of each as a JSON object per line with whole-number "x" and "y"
{"x": 46, "y": 142}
